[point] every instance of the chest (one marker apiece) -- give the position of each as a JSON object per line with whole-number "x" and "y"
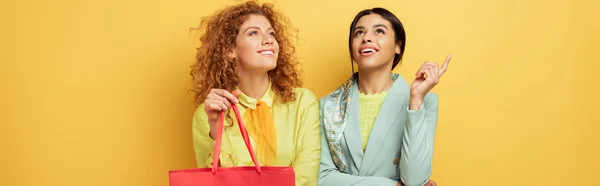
{"x": 287, "y": 134}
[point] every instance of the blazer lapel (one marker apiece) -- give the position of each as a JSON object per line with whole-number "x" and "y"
{"x": 389, "y": 112}
{"x": 352, "y": 130}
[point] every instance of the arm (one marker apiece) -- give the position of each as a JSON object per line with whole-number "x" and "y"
{"x": 330, "y": 175}
{"x": 203, "y": 143}
{"x": 306, "y": 163}
{"x": 417, "y": 142}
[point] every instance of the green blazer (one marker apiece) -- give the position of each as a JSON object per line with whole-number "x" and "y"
{"x": 400, "y": 146}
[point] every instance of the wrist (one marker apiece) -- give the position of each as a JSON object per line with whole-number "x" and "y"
{"x": 415, "y": 102}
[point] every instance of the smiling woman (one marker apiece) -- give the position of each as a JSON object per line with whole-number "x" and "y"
{"x": 386, "y": 131}
{"x": 247, "y": 58}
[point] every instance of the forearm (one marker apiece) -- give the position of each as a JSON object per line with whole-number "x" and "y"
{"x": 417, "y": 143}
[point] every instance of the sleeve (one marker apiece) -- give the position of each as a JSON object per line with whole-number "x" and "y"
{"x": 329, "y": 175}
{"x": 417, "y": 142}
{"x": 203, "y": 143}
{"x": 306, "y": 163}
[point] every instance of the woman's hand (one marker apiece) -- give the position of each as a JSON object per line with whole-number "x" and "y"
{"x": 429, "y": 183}
{"x": 216, "y": 101}
{"x": 427, "y": 77}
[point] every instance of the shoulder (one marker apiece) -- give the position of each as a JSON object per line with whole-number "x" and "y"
{"x": 304, "y": 94}
{"x": 327, "y": 97}
{"x": 305, "y": 98}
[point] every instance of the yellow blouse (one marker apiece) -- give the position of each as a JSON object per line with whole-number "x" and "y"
{"x": 298, "y": 136}
{"x": 369, "y": 109}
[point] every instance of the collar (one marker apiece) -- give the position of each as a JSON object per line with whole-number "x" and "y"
{"x": 250, "y": 102}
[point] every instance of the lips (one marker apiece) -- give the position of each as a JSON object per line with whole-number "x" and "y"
{"x": 267, "y": 52}
{"x": 368, "y": 50}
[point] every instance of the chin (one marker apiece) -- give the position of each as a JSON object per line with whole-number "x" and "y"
{"x": 369, "y": 64}
{"x": 270, "y": 64}
{"x": 270, "y": 68}
{"x": 266, "y": 67}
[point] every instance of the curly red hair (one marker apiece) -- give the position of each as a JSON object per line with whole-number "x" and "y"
{"x": 213, "y": 69}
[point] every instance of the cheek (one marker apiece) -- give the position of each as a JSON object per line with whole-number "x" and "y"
{"x": 276, "y": 45}
{"x": 388, "y": 44}
{"x": 244, "y": 47}
{"x": 355, "y": 46}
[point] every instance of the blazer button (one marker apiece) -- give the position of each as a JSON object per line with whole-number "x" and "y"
{"x": 396, "y": 160}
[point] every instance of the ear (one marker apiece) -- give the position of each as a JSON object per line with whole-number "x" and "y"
{"x": 398, "y": 48}
{"x": 231, "y": 53}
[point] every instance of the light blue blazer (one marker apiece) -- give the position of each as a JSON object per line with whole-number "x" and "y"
{"x": 400, "y": 146}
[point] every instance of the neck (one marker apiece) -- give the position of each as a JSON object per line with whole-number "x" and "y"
{"x": 254, "y": 86}
{"x": 372, "y": 82}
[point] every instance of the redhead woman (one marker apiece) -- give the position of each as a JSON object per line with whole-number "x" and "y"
{"x": 247, "y": 59}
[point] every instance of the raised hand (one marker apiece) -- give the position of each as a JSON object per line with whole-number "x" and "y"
{"x": 427, "y": 77}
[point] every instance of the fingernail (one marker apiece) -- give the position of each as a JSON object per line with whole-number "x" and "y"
{"x": 236, "y": 101}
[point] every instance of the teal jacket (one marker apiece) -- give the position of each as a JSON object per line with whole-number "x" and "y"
{"x": 400, "y": 146}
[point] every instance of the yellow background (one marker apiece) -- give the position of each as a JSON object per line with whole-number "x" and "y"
{"x": 95, "y": 92}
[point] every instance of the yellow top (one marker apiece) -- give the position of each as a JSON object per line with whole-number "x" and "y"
{"x": 369, "y": 108}
{"x": 297, "y": 134}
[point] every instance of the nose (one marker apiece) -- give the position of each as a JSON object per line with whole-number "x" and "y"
{"x": 366, "y": 39}
{"x": 267, "y": 40}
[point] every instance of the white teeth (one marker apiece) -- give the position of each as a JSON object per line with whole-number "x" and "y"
{"x": 267, "y": 52}
{"x": 367, "y": 50}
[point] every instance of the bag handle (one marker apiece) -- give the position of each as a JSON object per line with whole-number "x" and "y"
{"x": 217, "y": 150}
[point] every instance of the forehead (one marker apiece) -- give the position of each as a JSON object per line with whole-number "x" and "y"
{"x": 371, "y": 20}
{"x": 256, "y": 21}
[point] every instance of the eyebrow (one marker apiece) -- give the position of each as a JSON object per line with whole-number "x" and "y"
{"x": 374, "y": 26}
{"x": 258, "y": 28}
{"x": 381, "y": 25}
